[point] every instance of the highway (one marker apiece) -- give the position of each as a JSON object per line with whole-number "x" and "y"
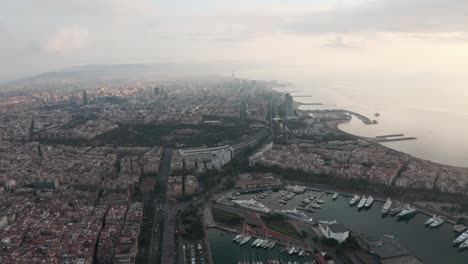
{"x": 157, "y": 245}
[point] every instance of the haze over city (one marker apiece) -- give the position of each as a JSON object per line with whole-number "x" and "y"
{"x": 416, "y": 37}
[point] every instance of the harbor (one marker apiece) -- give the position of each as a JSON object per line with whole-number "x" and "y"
{"x": 431, "y": 244}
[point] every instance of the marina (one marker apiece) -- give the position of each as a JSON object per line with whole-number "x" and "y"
{"x": 431, "y": 245}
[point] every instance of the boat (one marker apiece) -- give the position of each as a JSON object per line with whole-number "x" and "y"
{"x": 396, "y": 209}
{"x": 438, "y": 222}
{"x": 335, "y": 196}
{"x": 296, "y": 215}
{"x": 461, "y": 238}
{"x": 430, "y": 220}
{"x": 315, "y": 206}
{"x": 327, "y": 222}
{"x": 386, "y": 206}
{"x": 264, "y": 243}
{"x": 305, "y": 202}
{"x": 301, "y": 253}
{"x": 408, "y": 211}
{"x": 245, "y": 240}
{"x": 354, "y": 200}
{"x": 255, "y": 242}
{"x": 320, "y": 201}
{"x": 464, "y": 244}
{"x": 253, "y": 205}
{"x": 362, "y": 202}
{"x": 291, "y": 250}
{"x": 369, "y": 201}
{"x": 271, "y": 245}
{"x": 236, "y": 238}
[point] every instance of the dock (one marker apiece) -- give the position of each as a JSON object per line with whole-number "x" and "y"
{"x": 363, "y": 118}
{"x": 391, "y": 135}
{"x": 310, "y": 104}
{"x": 380, "y": 140}
{"x": 315, "y": 200}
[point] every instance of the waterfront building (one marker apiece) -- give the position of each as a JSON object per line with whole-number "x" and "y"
{"x": 387, "y": 249}
{"x": 207, "y": 158}
{"x": 247, "y": 181}
{"x": 335, "y": 231}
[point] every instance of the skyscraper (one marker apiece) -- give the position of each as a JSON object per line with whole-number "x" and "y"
{"x": 85, "y": 98}
{"x": 243, "y": 109}
{"x": 156, "y": 91}
{"x": 288, "y": 105}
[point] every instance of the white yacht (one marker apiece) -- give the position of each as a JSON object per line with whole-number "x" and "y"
{"x": 354, "y": 200}
{"x": 407, "y": 211}
{"x": 316, "y": 206}
{"x": 246, "y": 239}
{"x": 263, "y": 243}
{"x": 362, "y": 202}
{"x": 369, "y": 201}
{"x": 335, "y": 196}
{"x": 464, "y": 244}
{"x": 327, "y": 222}
{"x": 236, "y": 238}
{"x": 438, "y": 222}
{"x": 254, "y": 243}
{"x": 461, "y": 238}
{"x": 253, "y": 205}
{"x": 271, "y": 245}
{"x": 296, "y": 215}
{"x": 320, "y": 201}
{"x": 386, "y": 206}
{"x": 430, "y": 220}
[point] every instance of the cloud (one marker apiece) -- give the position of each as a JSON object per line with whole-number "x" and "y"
{"x": 69, "y": 39}
{"x": 339, "y": 43}
{"x": 94, "y": 31}
{"x": 406, "y": 16}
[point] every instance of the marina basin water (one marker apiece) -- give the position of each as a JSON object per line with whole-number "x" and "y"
{"x": 430, "y": 245}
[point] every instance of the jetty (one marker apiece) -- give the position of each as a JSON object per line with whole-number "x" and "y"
{"x": 391, "y": 135}
{"x": 380, "y": 140}
{"x": 315, "y": 200}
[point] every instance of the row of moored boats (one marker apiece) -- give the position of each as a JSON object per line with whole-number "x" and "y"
{"x": 394, "y": 209}
{"x": 242, "y": 239}
{"x": 462, "y": 240}
{"x": 362, "y": 202}
{"x": 407, "y": 210}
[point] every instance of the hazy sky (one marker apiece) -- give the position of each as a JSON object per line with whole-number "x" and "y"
{"x": 330, "y": 36}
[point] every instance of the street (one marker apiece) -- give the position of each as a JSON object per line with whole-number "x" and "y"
{"x": 157, "y": 245}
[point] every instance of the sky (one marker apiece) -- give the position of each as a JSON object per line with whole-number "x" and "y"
{"x": 329, "y": 37}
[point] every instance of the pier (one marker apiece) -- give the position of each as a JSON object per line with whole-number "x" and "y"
{"x": 315, "y": 200}
{"x": 301, "y": 104}
{"x": 381, "y": 140}
{"x": 391, "y": 135}
{"x": 363, "y": 118}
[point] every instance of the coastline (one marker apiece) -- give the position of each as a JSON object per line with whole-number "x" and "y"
{"x": 335, "y": 126}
